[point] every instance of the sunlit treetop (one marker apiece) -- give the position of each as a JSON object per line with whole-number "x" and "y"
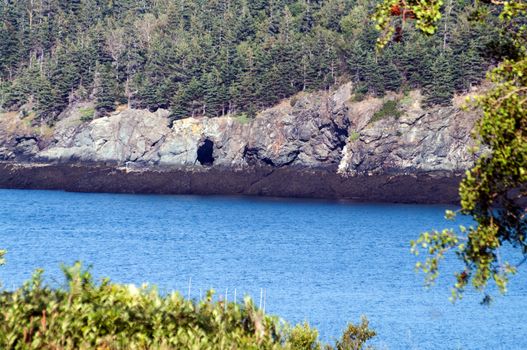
{"x": 392, "y": 15}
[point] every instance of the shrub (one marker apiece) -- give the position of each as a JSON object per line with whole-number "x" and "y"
{"x": 87, "y": 114}
{"x": 356, "y": 336}
{"x": 354, "y": 136}
{"x": 243, "y": 118}
{"x": 302, "y": 337}
{"x": 360, "y": 93}
{"x": 407, "y": 100}
{"x": 388, "y": 109}
{"x": 86, "y": 315}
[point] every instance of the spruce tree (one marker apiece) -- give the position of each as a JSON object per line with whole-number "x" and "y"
{"x": 181, "y": 106}
{"x": 390, "y": 75}
{"x": 441, "y": 90}
{"x": 214, "y": 94}
{"x": 371, "y": 75}
{"x": 105, "y": 89}
{"x": 469, "y": 70}
{"x": 166, "y": 45}
{"x": 45, "y": 99}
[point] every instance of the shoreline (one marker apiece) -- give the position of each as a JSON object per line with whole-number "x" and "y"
{"x": 420, "y": 188}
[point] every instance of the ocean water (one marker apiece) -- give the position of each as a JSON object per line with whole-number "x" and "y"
{"x": 327, "y": 263}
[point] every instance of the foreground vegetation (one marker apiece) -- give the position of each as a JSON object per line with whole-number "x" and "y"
{"x": 86, "y": 315}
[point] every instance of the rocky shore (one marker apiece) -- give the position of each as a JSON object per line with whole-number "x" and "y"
{"x": 316, "y": 145}
{"x": 262, "y": 181}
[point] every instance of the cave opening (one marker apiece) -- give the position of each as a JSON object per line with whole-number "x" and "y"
{"x": 205, "y": 153}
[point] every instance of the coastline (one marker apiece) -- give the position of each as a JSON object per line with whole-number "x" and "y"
{"x": 420, "y": 188}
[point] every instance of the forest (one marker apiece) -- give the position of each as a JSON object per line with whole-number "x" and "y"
{"x": 197, "y": 57}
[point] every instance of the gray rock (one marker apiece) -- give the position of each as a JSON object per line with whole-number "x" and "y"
{"x": 321, "y": 130}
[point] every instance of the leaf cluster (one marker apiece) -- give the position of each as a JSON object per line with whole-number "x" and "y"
{"x": 86, "y": 315}
{"x": 494, "y": 192}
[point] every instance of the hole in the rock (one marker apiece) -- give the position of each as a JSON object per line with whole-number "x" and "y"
{"x": 205, "y": 151}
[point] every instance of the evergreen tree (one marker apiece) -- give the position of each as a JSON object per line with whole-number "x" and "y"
{"x": 257, "y": 51}
{"x": 9, "y": 42}
{"x": 470, "y": 69}
{"x": 45, "y": 98}
{"x": 371, "y": 75}
{"x": 105, "y": 89}
{"x": 214, "y": 94}
{"x": 441, "y": 89}
{"x": 389, "y": 75}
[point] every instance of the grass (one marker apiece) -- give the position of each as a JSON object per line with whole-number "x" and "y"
{"x": 388, "y": 109}
{"x": 243, "y": 118}
{"x": 354, "y": 136}
{"x": 87, "y": 114}
{"x": 406, "y": 100}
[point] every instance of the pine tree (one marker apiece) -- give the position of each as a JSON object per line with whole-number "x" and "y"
{"x": 214, "y": 93}
{"x": 10, "y": 54}
{"x": 105, "y": 89}
{"x": 391, "y": 77}
{"x": 45, "y": 99}
{"x": 441, "y": 90}
{"x": 181, "y": 106}
{"x": 470, "y": 69}
{"x": 371, "y": 75}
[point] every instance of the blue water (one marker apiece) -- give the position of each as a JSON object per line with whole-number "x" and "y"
{"x": 324, "y": 262}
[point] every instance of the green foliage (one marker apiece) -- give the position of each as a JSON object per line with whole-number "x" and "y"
{"x": 356, "y": 336}
{"x": 87, "y": 114}
{"x": 302, "y": 337}
{"x": 440, "y": 90}
{"x": 389, "y": 108}
{"x": 206, "y": 58}
{"x": 243, "y": 118}
{"x": 407, "y": 100}
{"x": 86, "y": 315}
{"x": 105, "y": 90}
{"x": 389, "y": 12}
{"x": 359, "y": 93}
{"x": 354, "y": 136}
{"x": 2, "y": 259}
{"x": 494, "y": 191}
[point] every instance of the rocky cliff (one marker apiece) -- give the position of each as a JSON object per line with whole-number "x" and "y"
{"x": 314, "y": 145}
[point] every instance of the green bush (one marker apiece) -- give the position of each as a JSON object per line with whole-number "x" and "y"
{"x": 87, "y": 114}
{"x": 354, "y": 136}
{"x": 388, "y": 109}
{"x": 360, "y": 93}
{"x": 243, "y": 118}
{"x": 302, "y": 337}
{"x": 407, "y": 100}
{"x": 86, "y": 315}
{"x": 356, "y": 336}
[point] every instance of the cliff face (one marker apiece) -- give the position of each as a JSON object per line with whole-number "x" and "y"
{"x": 318, "y": 133}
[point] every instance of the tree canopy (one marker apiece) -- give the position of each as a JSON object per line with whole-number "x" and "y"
{"x": 198, "y": 57}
